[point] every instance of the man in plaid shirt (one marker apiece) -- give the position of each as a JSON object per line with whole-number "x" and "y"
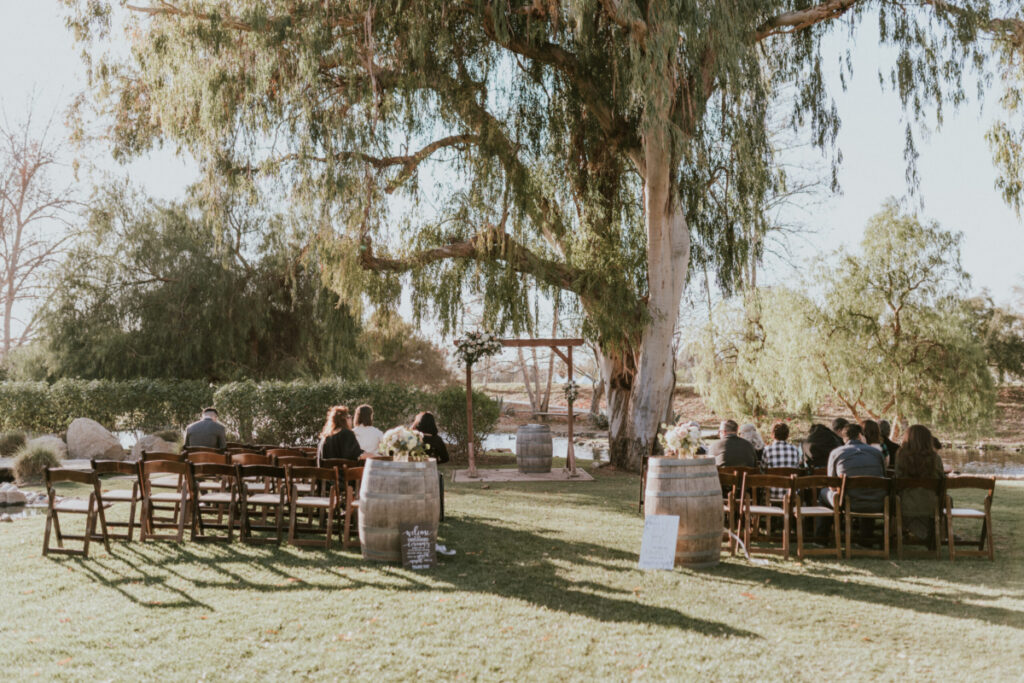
{"x": 780, "y": 453}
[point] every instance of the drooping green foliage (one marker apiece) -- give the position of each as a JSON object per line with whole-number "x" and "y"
{"x": 156, "y": 291}
{"x": 1002, "y": 331}
{"x": 508, "y": 148}
{"x": 398, "y": 353}
{"x": 895, "y": 336}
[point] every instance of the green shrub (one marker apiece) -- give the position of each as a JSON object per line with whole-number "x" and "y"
{"x": 30, "y": 463}
{"x": 10, "y": 442}
{"x": 450, "y": 409}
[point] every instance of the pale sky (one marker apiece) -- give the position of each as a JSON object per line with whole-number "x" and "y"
{"x": 37, "y": 52}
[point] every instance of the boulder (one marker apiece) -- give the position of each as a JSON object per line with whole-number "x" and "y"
{"x": 89, "y": 439}
{"x": 51, "y": 441}
{"x": 151, "y": 444}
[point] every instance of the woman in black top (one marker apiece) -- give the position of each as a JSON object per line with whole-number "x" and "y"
{"x": 337, "y": 441}
{"x": 427, "y": 426}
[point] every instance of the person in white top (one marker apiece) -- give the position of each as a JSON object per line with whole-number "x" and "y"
{"x": 368, "y": 436}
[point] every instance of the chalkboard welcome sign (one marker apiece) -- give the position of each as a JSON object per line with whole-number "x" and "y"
{"x": 418, "y": 549}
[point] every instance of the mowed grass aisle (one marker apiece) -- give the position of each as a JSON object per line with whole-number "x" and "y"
{"x": 544, "y": 587}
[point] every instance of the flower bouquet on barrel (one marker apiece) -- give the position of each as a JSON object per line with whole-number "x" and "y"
{"x": 681, "y": 440}
{"x": 403, "y": 445}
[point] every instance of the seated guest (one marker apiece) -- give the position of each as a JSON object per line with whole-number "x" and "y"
{"x": 780, "y": 453}
{"x": 427, "y": 426}
{"x": 367, "y": 435}
{"x": 337, "y": 441}
{"x": 730, "y": 450}
{"x": 820, "y": 442}
{"x": 917, "y": 459}
{"x": 872, "y": 434}
{"x": 206, "y": 432}
{"x": 856, "y": 459}
{"x": 750, "y": 433}
{"x": 889, "y": 448}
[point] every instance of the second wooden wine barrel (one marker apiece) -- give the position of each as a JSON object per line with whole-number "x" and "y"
{"x": 392, "y": 494}
{"x": 533, "y": 448}
{"x": 688, "y": 488}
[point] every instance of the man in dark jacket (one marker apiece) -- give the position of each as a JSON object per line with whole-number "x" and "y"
{"x": 730, "y": 450}
{"x": 819, "y": 443}
{"x": 207, "y": 432}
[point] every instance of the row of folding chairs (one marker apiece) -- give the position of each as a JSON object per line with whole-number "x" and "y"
{"x": 753, "y": 498}
{"x": 206, "y": 495}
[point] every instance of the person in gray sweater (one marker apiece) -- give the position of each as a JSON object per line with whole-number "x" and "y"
{"x": 206, "y": 432}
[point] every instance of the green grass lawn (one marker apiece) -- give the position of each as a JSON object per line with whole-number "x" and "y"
{"x": 544, "y": 587}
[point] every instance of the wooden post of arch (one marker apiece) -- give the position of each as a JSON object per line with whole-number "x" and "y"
{"x": 553, "y": 344}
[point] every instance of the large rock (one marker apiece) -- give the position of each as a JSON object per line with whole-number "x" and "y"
{"x": 151, "y": 444}
{"x": 89, "y": 439}
{"x": 51, "y": 441}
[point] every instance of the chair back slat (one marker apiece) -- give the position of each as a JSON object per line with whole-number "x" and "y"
{"x": 249, "y": 459}
{"x": 784, "y": 471}
{"x": 284, "y": 452}
{"x": 931, "y": 484}
{"x": 147, "y": 468}
{"x": 970, "y": 482}
{"x": 295, "y": 461}
{"x": 259, "y": 470}
{"x": 114, "y": 467}
{"x": 757, "y": 481}
{"x": 147, "y": 456}
{"x": 865, "y": 482}
{"x": 213, "y": 469}
{"x": 319, "y": 473}
{"x": 209, "y": 457}
{"x": 817, "y": 481}
{"x": 58, "y": 474}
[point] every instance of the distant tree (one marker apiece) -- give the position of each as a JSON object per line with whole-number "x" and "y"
{"x": 37, "y": 217}
{"x": 895, "y": 336}
{"x": 397, "y": 352}
{"x": 1002, "y": 331}
{"x": 153, "y": 290}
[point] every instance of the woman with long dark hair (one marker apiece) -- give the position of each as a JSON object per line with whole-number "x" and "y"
{"x": 872, "y": 433}
{"x": 426, "y": 425}
{"x": 917, "y": 458}
{"x": 337, "y": 441}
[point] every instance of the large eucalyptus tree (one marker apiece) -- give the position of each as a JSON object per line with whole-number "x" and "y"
{"x": 593, "y": 147}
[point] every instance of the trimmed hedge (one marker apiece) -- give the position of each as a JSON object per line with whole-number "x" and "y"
{"x": 139, "y": 404}
{"x": 264, "y": 412}
{"x": 294, "y": 412}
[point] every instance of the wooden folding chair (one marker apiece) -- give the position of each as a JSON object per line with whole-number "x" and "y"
{"x": 195, "y": 449}
{"x": 329, "y": 504}
{"x": 111, "y": 497}
{"x": 273, "y": 498}
{"x": 899, "y": 489}
{"x": 806, "y": 488}
{"x": 985, "y": 546}
{"x": 152, "y": 497}
{"x": 92, "y": 509}
{"x": 220, "y": 498}
{"x": 730, "y": 484}
{"x": 754, "y": 489}
{"x": 353, "y": 479}
{"x": 863, "y": 483}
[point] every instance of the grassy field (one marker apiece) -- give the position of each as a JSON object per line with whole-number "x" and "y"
{"x": 544, "y": 587}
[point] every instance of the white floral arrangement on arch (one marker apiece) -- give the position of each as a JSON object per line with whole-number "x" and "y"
{"x": 572, "y": 391}
{"x": 681, "y": 440}
{"x": 476, "y": 345}
{"x": 403, "y": 445}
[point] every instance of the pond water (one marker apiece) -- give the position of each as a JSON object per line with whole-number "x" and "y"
{"x": 559, "y": 445}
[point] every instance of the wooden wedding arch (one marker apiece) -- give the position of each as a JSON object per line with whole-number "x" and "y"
{"x": 554, "y": 345}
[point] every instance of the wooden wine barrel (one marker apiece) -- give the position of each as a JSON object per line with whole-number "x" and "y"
{"x": 392, "y": 494}
{"x": 690, "y": 489}
{"x": 533, "y": 448}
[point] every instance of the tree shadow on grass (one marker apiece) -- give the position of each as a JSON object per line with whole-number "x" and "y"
{"x": 508, "y": 563}
{"x": 831, "y": 581}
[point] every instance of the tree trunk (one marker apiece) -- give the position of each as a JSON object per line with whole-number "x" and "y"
{"x": 526, "y": 380}
{"x": 636, "y": 407}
